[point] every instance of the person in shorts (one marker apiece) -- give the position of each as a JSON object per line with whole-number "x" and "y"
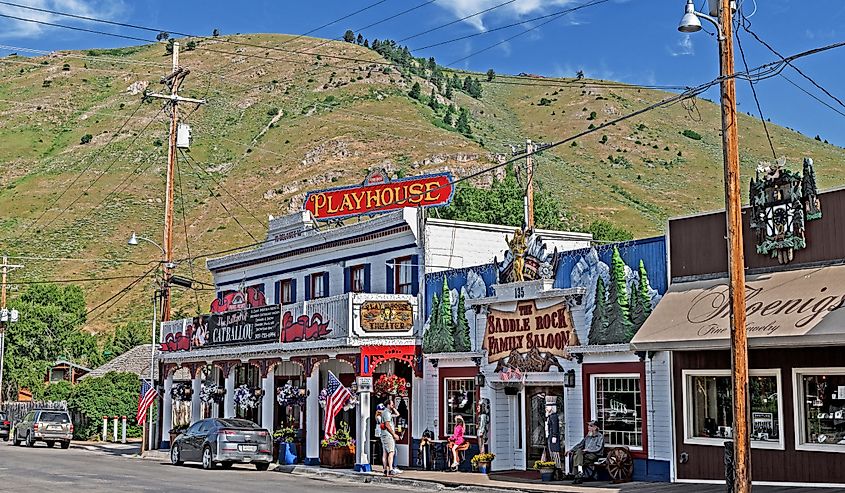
{"x": 389, "y": 436}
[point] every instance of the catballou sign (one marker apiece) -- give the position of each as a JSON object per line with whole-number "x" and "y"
{"x": 378, "y": 194}
{"x": 253, "y": 325}
{"x": 549, "y": 330}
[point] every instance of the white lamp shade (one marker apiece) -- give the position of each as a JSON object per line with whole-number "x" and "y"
{"x": 689, "y": 23}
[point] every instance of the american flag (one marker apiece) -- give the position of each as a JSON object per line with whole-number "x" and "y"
{"x": 335, "y": 400}
{"x": 146, "y": 399}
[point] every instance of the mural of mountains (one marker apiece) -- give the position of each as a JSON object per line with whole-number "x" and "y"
{"x": 280, "y": 124}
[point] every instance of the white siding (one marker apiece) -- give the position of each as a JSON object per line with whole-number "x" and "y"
{"x": 659, "y": 398}
{"x": 501, "y": 442}
{"x": 430, "y": 394}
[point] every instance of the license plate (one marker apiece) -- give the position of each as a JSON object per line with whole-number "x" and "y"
{"x": 54, "y": 428}
{"x": 248, "y": 448}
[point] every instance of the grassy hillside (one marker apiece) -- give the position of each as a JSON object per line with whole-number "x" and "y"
{"x": 279, "y": 124}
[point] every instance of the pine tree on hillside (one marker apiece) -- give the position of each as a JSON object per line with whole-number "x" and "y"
{"x": 618, "y": 319}
{"x": 415, "y": 91}
{"x": 598, "y": 327}
{"x": 376, "y": 44}
{"x": 349, "y": 36}
{"x": 448, "y": 118}
{"x": 366, "y": 43}
{"x": 360, "y": 39}
{"x": 463, "y": 123}
{"x": 449, "y": 92}
{"x": 461, "y": 335}
{"x": 432, "y": 101}
{"x": 491, "y": 74}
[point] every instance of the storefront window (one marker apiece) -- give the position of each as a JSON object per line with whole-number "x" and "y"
{"x": 404, "y": 276}
{"x": 822, "y": 408}
{"x": 710, "y": 408}
{"x": 460, "y": 401}
{"x": 287, "y": 292}
{"x": 356, "y": 275}
{"x": 618, "y": 409}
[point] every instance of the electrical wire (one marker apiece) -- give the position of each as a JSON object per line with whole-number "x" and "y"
{"x": 114, "y": 299}
{"x": 754, "y": 93}
{"x": 185, "y": 224}
{"x": 79, "y": 175}
{"x": 81, "y": 279}
{"x": 77, "y": 259}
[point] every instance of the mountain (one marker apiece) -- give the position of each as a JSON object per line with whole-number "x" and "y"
{"x": 280, "y": 122}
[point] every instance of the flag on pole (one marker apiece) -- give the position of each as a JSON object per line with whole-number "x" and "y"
{"x": 147, "y": 398}
{"x": 336, "y": 397}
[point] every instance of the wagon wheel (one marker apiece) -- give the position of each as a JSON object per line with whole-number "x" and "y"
{"x": 620, "y": 465}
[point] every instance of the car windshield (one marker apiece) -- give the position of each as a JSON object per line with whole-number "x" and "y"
{"x": 55, "y": 417}
{"x": 239, "y": 423}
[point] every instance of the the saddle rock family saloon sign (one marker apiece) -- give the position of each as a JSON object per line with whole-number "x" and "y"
{"x": 379, "y": 194}
{"x": 529, "y": 329}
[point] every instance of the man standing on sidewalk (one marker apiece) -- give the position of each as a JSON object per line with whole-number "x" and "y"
{"x": 588, "y": 450}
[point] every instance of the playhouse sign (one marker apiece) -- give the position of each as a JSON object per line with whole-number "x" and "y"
{"x": 548, "y": 330}
{"x": 379, "y": 194}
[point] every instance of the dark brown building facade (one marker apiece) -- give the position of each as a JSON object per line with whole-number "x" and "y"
{"x": 796, "y": 330}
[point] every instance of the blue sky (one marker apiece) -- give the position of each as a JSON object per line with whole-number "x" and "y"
{"x": 633, "y": 41}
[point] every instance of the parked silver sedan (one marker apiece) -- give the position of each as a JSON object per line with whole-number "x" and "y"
{"x": 223, "y": 441}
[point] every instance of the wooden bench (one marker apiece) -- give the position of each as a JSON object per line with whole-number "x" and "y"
{"x": 618, "y": 463}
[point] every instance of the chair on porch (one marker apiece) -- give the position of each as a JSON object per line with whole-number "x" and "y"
{"x": 462, "y": 452}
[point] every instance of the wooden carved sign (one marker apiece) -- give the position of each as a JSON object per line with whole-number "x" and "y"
{"x": 530, "y": 332}
{"x": 387, "y": 316}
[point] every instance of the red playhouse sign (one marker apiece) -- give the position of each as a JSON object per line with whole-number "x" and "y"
{"x": 378, "y": 194}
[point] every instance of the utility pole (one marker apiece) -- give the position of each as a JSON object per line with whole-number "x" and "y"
{"x": 173, "y": 81}
{"x": 5, "y": 317}
{"x": 530, "y": 149}
{"x": 736, "y": 254}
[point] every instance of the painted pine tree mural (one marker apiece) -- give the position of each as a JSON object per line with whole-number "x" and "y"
{"x": 439, "y": 337}
{"x": 461, "y": 335}
{"x": 618, "y": 317}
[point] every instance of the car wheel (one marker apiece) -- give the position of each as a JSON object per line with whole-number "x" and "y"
{"x": 15, "y": 440}
{"x": 207, "y": 460}
{"x": 227, "y": 465}
{"x": 175, "y": 458}
{"x": 50, "y": 443}
{"x": 262, "y": 466}
{"x": 30, "y": 440}
{"x": 66, "y": 445}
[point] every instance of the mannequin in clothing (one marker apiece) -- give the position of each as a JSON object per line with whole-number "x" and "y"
{"x": 483, "y": 411}
{"x": 553, "y": 437}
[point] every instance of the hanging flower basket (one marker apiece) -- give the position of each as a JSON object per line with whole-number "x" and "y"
{"x": 247, "y": 397}
{"x": 181, "y": 392}
{"x": 288, "y": 395}
{"x": 391, "y": 385}
{"x": 212, "y": 393}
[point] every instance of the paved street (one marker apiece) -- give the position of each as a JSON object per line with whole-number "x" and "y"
{"x": 79, "y": 470}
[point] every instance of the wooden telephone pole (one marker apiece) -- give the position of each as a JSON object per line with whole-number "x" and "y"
{"x": 530, "y": 149}
{"x": 6, "y": 268}
{"x": 736, "y": 255}
{"x": 173, "y": 81}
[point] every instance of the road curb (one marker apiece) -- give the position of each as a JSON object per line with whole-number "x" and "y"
{"x": 369, "y": 478}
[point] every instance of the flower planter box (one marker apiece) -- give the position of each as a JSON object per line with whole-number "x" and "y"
{"x": 337, "y": 457}
{"x": 547, "y": 474}
{"x": 173, "y": 437}
{"x": 483, "y": 467}
{"x": 287, "y": 453}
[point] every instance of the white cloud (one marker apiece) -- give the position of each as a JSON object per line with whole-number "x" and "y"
{"x": 13, "y": 28}
{"x": 519, "y": 8}
{"x": 684, "y": 47}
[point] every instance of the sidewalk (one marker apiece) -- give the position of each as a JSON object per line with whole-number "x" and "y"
{"x": 129, "y": 449}
{"x": 442, "y": 481}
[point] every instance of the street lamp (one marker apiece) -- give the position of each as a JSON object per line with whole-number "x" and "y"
{"x": 733, "y": 214}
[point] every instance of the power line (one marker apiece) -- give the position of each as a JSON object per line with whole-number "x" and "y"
{"x": 553, "y": 15}
{"x": 769, "y": 69}
{"x": 185, "y": 224}
{"x": 754, "y": 93}
{"x": 553, "y": 18}
{"x": 77, "y": 259}
{"x": 80, "y": 279}
{"x": 456, "y": 21}
{"x": 79, "y": 175}
{"x": 333, "y": 22}
{"x": 114, "y": 299}
{"x": 109, "y": 167}
{"x": 75, "y": 28}
{"x": 808, "y": 93}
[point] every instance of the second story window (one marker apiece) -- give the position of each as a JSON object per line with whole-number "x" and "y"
{"x": 319, "y": 285}
{"x": 357, "y": 277}
{"x": 288, "y": 295}
{"x": 403, "y": 270}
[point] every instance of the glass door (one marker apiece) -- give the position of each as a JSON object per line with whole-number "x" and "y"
{"x": 535, "y": 423}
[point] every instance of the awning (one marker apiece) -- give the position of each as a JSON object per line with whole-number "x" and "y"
{"x": 788, "y": 308}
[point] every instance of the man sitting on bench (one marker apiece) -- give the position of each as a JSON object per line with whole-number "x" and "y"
{"x": 589, "y": 450}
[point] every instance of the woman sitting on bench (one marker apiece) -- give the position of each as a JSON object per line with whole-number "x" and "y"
{"x": 457, "y": 442}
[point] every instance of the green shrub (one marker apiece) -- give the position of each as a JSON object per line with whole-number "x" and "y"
{"x": 113, "y": 394}
{"x": 692, "y": 134}
{"x": 86, "y": 139}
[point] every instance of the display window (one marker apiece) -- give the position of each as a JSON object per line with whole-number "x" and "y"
{"x": 460, "y": 401}
{"x": 708, "y": 408}
{"x": 617, "y": 407}
{"x": 820, "y": 409}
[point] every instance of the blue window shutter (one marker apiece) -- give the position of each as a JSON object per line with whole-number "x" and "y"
{"x": 308, "y": 287}
{"x": 389, "y": 277}
{"x": 347, "y": 279}
{"x": 293, "y": 290}
{"x": 415, "y": 275}
{"x": 366, "y": 278}
{"x": 326, "y": 284}
{"x": 277, "y": 296}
